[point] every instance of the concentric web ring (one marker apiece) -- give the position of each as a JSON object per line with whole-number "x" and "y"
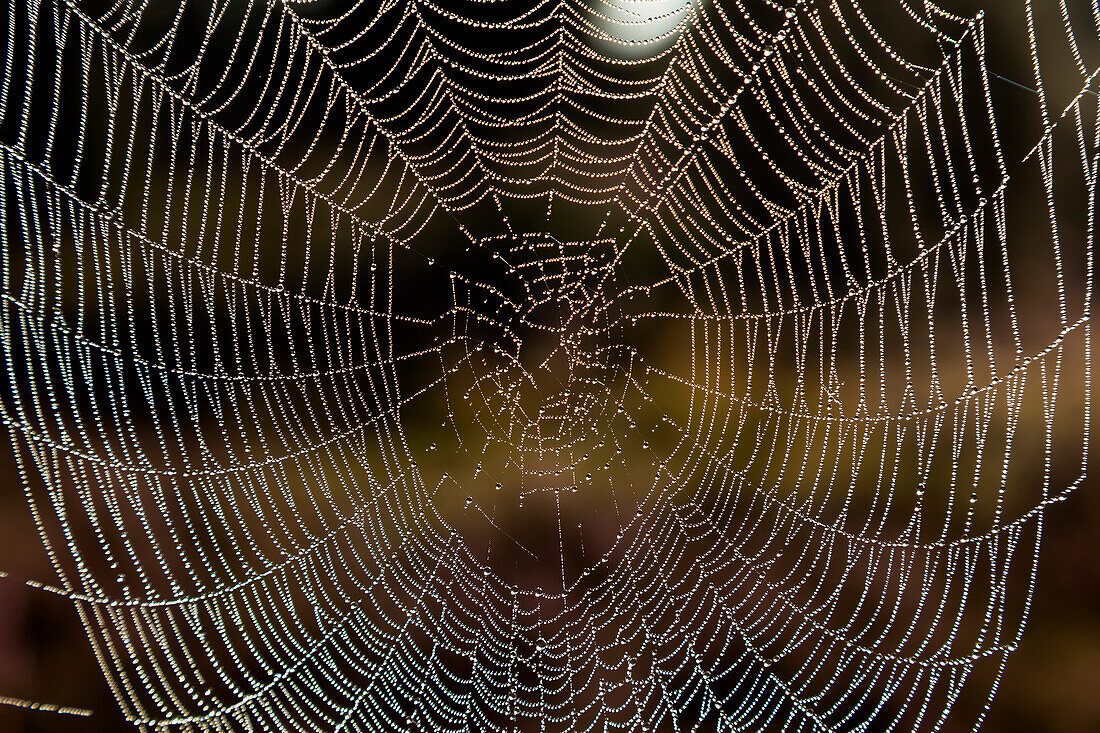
{"x": 547, "y": 365}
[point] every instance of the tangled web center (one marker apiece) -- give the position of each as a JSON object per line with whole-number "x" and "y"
{"x": 544, "y": 419}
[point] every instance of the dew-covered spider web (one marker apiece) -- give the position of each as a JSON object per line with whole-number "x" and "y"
{"x": 557, "y": 365}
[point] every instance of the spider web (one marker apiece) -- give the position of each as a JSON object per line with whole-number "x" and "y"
{"x": 556, "y": 365}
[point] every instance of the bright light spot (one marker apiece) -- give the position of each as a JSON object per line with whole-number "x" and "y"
{"x": 641, "y": 27}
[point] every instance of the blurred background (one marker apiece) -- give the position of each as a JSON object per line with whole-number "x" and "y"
{"x": 1052, "y": 682}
